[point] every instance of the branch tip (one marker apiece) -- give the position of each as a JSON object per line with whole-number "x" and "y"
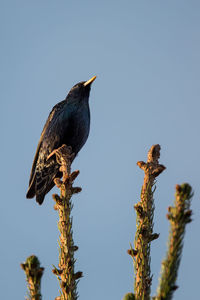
{"x": 179, "y": 215}
{"x": 65, "y": 273}
{"x": 34, "y": 273}
{"x": 154, "y": 153}
{"x": 144, "y": 234}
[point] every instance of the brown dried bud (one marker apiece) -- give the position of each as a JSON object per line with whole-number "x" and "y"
{"x": 56, "y": 198}
{"x": 23, "y": 266}
{"x": 188, "y": 213}
{"x": 78, "y": 275}
{"x": 74, "y": 175}
{"x": 132, "y": 252}
{"x": 76, "y": 190}
{"x": 158, "y": 170}
{"x": 74, "y": 248}
{"x": 175, "y": 287}
{"x": 141, "y": 165}
{"x": 154, "y": 236}
{"x": 57, "y": 271}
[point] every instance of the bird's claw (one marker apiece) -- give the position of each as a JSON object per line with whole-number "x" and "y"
{"x": 58, "y": 182}
{"x": 52, "y": 153}
{"x": 64, "y": 152}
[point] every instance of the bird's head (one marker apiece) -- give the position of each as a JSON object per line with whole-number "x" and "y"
{"x": 80, "y": 92}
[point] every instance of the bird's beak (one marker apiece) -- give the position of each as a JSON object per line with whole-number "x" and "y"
{"x": 90, "y": 80}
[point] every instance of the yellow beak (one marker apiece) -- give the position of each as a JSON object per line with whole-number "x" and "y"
{"x": 90, "y": 80}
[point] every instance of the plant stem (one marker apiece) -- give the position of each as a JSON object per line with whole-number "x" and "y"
{"x": 179, "y": 216}
{"x": 144, "y": 233}
{"x": 66, "y": 273}
{"x": 34, "y": 274}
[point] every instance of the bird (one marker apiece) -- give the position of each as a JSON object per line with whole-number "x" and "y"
{"x": 68, "y": 123}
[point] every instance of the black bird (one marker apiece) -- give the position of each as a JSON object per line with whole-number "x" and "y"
{"x": 68, "y": 123}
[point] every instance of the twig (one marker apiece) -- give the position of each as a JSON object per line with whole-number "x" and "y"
{"x": 179, "y": 216}
{"x": 65, "y": 273}
{"x": 144, "y": 234}
{"x": 34, "y": 274}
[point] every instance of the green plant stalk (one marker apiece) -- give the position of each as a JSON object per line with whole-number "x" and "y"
{"x": 179, "y": 216}
{"x": 66, "y": 269}
{"x": 34, "y": 274}
{"x": 144, "y": 223}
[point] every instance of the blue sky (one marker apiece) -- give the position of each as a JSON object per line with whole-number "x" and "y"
{"x": 146, "y": 58}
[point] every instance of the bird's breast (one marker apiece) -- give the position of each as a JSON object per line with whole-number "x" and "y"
{"x": 77, "y": 130}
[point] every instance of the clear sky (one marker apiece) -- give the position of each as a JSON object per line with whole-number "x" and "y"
{"x": 146, "y": 55}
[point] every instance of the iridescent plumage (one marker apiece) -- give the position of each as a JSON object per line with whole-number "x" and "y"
{"x": 68, "y": 123}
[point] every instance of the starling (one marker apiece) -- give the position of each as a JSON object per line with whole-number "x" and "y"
{"x": 68, "y": 123}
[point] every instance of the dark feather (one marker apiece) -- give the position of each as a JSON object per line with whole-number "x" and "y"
{"x": 68, "y": 123}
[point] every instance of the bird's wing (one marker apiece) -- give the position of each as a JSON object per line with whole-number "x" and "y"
{"x": 50, "y": 124}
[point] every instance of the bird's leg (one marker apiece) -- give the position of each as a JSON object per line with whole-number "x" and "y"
{"x": 52, "y": 153}
{"x": 64, "y": 158}
{"x": 58, "y": 182}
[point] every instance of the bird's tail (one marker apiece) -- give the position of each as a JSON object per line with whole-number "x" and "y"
{"x": 31, "y": 193}
{"x": 31, "y": 189}
{"x": 43, "y": 181}
{"x": 40, "y": 198}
